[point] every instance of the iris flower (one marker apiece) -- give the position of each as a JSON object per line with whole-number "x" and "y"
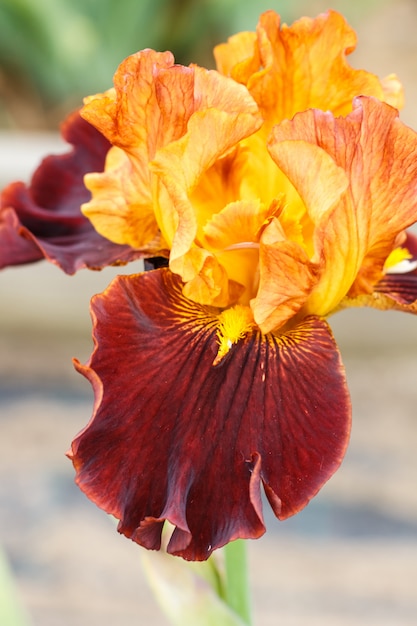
{"x": 273, "y": 191}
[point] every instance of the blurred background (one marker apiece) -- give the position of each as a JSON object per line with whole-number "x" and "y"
{"x": 351, "y": 556}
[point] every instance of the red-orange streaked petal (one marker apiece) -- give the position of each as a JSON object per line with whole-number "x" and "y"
{"x": 396, "y": 291}
{"x": 175, "y": 438}
{"x": 44, "y": 220}
{"x": 129, "y": 115}
{"x": 379, "y": 157}
{"x": 293, "y": 68}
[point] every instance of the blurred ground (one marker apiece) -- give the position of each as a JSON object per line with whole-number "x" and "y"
{"x": 349, "y": 559}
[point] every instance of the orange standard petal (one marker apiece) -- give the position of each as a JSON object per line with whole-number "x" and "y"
{"x": 377, "y": 156}
{"x": 121, "y": 207}
{"x": 286, "y": 70}
{"x": 289, "y": 225}
{"x": 292, "y": 68}
{"x": 156, "y": 112}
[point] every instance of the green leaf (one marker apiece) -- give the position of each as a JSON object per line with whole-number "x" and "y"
{"x": 12, "y": 612}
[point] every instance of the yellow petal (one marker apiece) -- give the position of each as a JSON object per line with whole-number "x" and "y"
{"x": 239, "y": 57}
{"x": 396, "y": 259}
{"x": 117, "y": 211}
{"x": 393, "y": 91}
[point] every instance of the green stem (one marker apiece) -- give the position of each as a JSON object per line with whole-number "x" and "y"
{"x": 237, "y": 592}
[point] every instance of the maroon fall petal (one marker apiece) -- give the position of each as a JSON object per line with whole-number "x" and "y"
{"x": 402, "y": 288}
{"x": 15, "y": 249}
{"x": 411, "y": 244}
{"x": 175, "y": 438}
{"x": 43, "y": 220}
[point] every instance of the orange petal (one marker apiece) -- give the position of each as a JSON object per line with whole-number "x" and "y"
{"x": 286, "y": 279}
{"x": 379, "y": 157}
{"x": 121, "y": 208}
{"x": 226, "y": 114}
{"x": 233, "y": 235}
{"x": 239, "y": 57}
{"x": 293, "y": 68}
{"x": 153, "y": 105}
{"x": 128, "y": 115}
{"x": 206, "y": 279}
{"x": 239, "y": 222}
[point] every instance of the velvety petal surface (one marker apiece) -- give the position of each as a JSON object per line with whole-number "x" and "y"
{"x": 378, "y": 157}
{"x": 174, "y": 437}
{"x": 292, "y": 68}
{"x": 43, "y": 220}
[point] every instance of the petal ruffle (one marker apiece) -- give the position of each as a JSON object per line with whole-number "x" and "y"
{"x": 159, "y": 113}
{"x": 130, "y": 117}
{"x": 175, "y": 438}
{"x": 293, "y": 68}
{"x": 378, "y": 155}
{"x": 43, "y": 220}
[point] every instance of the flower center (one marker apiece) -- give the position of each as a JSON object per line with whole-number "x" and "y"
{"x": 234, "y": 324}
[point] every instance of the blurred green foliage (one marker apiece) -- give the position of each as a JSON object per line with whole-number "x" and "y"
{"x": 53, "y": 52}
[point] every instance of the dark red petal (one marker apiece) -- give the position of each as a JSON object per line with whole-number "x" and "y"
{"x": 411, "y": 244}
{"x": 402, "y": 288}
{"x": 44, "y": 218}
{"x": 15, "y": 249}
{"x": 173, "y": 437}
